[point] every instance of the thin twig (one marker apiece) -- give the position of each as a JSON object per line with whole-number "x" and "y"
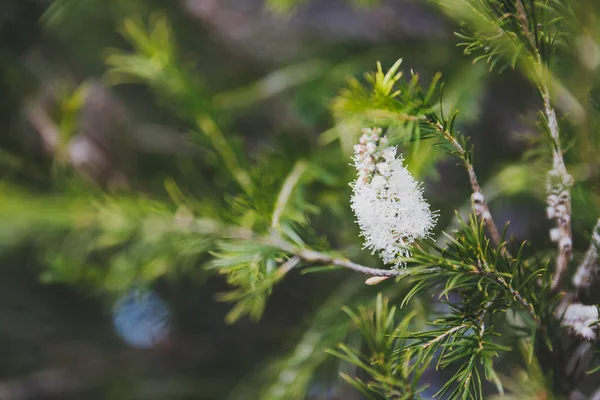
{"x": 442, "y": 336}
{"x": 557, "y": 159}
{"x": 209, "y": 226}
{"x": 559, "y": 180}
{"x": 312, "y": 256}
{"x": 514, "y": 293}
{"x": 522, "y": 16}
{"x": 286, "y": 191}
{"x": 317, "y": 257}
{"x": 558, "y": 185}
{"x": 483, "y": 211}
{"x": 289, "y": 265}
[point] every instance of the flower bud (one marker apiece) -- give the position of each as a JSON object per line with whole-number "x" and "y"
{"x": 374, "y": 280}
{"x": 561, "y": 210}
{"x": 555, "y": 234}
{"x": 552, "y": 200}
{"x": 370, "y": 146}
{"x": 565, "y": 243}
{"x": 486, "y": 216}
{"x": 477, "y": 198}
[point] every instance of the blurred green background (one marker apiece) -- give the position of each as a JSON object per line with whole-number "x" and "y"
{"x": 78, "y": 117}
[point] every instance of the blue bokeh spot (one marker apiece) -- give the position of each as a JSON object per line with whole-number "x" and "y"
{"x": 141, "y": 319}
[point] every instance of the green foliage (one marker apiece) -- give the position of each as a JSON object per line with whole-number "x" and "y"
{"x": 154, "y": 61}
{"x": 287, "y": 6}
{"x": 290, "y": 375}
{"x": 387, "y": 100}
{"x": 109, "y": 243}
{"x": 528, "y": 383}
{"x": 252, "y": 268}
{"x": 261, "y": 217}
{"x": 409, "y": 113}
{"x": 471, "y": 264}
{"x": 488, "y": 281}
{"x": 513, "y": 33}
{"x": 392, "y": 373}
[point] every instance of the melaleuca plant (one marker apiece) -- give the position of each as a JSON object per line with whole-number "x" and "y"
{"x": 492, "y": 278}
{"x": 468, "y": 299}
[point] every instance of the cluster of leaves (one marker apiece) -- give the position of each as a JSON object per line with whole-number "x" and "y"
{"x": 386, "y": 100}
{"x": 487, "y": 281}
{"x": 469, "y": 259}
{"x": 107, "y": 243}
{"x": 252, "y": 268}
{"x": 114, "y": 242}
{"x": 479, "y": 284}
{"x": 256, "y": 245}
{"x": 409, "y": 113}
{"x": 510, "y": 33}
{"x": 154, "y": 62}
{"x": 483, "y": 281}
{"x": 387, "y": 360}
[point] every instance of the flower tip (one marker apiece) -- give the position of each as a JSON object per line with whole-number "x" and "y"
{"x": 374, "y": 280}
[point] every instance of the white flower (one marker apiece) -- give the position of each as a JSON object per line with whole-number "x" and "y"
{"x": 581, "y": 319}
{"x": 371, "y": 147}
{"x": 383, "y": 168}
{"x": 378, "y": 182}
{"x": 387, "y": 201}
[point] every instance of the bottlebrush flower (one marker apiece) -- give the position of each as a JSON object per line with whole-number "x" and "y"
{"x": 387, "y": 201}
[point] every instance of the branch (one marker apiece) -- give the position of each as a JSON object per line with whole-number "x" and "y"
{"x": 559, "y": 197}
{"x": 559, "y": 181}
{"x": 587, "y": 272}
{"x": 516, "y": 295}
{"x": 312, "y": 256}
{"x": 211, "y": 227}
{"x": 522, "y": 17}
{"x": 481, "y": 208}
{"x": 288, "y": 265}
{"x": 513, "y": 292}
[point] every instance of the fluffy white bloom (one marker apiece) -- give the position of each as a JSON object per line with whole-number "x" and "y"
{"x": 581, "y": 319}
{"x": 387, "y": 201}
